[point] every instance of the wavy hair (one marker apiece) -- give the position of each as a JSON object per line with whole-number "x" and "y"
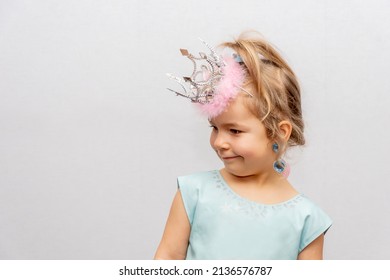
{"x": 274, "y": 86}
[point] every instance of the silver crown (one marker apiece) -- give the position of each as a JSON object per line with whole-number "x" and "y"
{"x": 199, "y": 86}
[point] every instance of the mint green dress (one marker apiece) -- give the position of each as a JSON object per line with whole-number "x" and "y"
{"x": 227, "y": 226}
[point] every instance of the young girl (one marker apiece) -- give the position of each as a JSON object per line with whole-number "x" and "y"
{"x": 248, "y": 209}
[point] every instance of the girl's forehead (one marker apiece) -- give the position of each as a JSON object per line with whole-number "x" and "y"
{"x": 236, "y": 112}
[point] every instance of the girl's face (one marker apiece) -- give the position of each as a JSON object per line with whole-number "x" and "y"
{"x": 240, "y": 140}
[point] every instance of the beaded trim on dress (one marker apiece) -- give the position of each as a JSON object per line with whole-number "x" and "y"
{"x": 252, "y": 209}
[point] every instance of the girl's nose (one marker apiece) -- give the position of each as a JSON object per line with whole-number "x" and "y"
{"x": 220, "y": 142}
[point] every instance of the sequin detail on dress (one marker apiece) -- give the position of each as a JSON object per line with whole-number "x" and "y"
{"x": 254, "y": 210}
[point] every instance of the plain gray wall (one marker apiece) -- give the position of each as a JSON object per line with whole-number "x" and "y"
{"x": 91, "y": 142}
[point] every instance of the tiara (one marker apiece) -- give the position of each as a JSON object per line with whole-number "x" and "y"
{"x": 214, "y": 82}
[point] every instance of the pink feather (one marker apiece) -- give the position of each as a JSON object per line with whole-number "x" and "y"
{"x": 227, "y": 88}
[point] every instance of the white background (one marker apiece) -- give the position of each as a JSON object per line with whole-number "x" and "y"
{"x": 91, "y": 142}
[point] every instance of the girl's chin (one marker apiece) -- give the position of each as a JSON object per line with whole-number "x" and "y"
{"x": 236, "y": 171}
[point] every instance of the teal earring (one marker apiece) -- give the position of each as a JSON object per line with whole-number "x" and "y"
{"x": 279, "y": 164}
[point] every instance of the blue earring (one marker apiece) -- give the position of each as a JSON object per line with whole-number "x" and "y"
{"x": 280, "y": 164}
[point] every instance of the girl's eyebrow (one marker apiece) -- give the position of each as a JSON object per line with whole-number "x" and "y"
{"x": 232, "y": 124}
{"x": 228, "y": 124}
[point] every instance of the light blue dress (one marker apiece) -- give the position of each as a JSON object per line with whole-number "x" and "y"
{"x": 227, "y": 226}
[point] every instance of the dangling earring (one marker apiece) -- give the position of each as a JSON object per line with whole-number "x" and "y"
{"x": 280, "y": 165}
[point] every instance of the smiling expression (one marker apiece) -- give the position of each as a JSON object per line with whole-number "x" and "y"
{"x": 240, "y": 140}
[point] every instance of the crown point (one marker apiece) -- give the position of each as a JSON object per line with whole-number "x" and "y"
{"x": 184, "y": 52}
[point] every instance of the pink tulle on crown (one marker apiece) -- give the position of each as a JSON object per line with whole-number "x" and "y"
{"x": 214, "y": 81}
{"x": 227, "y": 89}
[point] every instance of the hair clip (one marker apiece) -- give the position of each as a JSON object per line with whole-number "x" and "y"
{"x": 214, "y": 82}
{"x": 237, "y": 58}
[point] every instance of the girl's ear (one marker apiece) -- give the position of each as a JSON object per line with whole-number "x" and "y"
{"x": 285, "y": 129}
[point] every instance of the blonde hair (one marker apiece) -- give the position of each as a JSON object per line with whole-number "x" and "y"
{"x": 274, "y": 87}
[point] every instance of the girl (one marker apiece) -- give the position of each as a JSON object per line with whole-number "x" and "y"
{"x": 248, "y": 209}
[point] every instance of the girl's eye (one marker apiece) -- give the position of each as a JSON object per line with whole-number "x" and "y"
{"x": 235, "y": 131}
{"x": 213, "y": 127}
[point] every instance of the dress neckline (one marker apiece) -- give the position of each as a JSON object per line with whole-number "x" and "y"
{"x": 227, "y": 187}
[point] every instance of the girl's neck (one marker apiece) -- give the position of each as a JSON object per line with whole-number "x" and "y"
{"x": 262, "y": 180}
{"x": 263, "y": 188}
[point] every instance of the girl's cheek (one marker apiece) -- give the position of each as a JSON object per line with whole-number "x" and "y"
{"x": 244, "y": 150}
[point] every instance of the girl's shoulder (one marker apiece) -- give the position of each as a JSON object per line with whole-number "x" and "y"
{"x": 313, "y": 213}
{"x": 197, "y": 179}
{"x": 307, "y": 203}
{"x": 192, "y": 187}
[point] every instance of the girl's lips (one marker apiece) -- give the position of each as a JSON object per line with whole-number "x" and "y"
{"x": 229, "y": 158}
